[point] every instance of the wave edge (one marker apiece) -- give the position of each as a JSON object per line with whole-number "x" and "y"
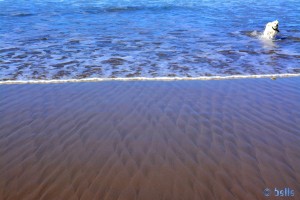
{"x": 273, "y": 76}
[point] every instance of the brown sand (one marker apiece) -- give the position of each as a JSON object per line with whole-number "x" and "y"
{"x": 150, "y": 140}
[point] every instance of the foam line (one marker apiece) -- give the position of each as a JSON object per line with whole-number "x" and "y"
{"x": 148, "y": 79}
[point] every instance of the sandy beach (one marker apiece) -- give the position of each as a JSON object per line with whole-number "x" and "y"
{"x": 150, "y": 140}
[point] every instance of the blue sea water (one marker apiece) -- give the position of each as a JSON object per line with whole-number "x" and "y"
{"x": 76, "y": 39}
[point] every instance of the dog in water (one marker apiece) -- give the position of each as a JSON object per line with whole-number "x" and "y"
{"x": 271, "y": 30}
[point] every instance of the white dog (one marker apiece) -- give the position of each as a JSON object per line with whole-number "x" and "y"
{"x": 271, "y": 30}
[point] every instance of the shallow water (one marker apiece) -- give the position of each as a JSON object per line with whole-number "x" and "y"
{"x": 73, "y": 39}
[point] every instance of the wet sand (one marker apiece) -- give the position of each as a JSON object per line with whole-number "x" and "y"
{"x": 150, "y": 140}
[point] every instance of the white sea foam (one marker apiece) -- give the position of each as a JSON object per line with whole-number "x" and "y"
{"x": 273, "y": 76}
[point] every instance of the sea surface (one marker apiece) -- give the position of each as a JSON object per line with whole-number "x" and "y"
{"x": 76, "y": 39}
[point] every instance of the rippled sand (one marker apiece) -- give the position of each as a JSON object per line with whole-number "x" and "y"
{"x": 151, "y": 140}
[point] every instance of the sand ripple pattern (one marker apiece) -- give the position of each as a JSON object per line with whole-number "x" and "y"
{"x": 140, "y": 140}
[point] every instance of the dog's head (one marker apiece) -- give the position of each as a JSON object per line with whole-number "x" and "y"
{"x": 273, "y": 26}
{"x": 271, "y": 30}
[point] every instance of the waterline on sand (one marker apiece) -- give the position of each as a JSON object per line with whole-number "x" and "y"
{"x": 273, "y": 76}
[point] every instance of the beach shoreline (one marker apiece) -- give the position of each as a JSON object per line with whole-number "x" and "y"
{"x": 187, "y": 139}
{"x": 199, "y": 78}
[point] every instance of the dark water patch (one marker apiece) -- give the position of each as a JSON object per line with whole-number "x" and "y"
{"x": 134, "y": 74}
{"x": 114, "y": 61}
{"x": 283, "y": 56}
{"x": 90, "y": 71}
{"x": 21, "y": 56}
{"x": 4, "y": 66}
{"x": 11, "y": 55}
{"x": 227, "y": 52}
{"x": 22, "y": 14}
{"x": 123, "y": 9}
{"x": 60, "y": 74}
{"x": 297, "y": 70}
{"x": 62, "y": 58}
{"x": 176, "y": 33}
{"x": 145, "y": 7}
{"x": 40, "y": 77}
{"x": 207, "y": 74}
{"x": 295, "y": 39}
{"x": 246, "y": 33}
{"x": 36, "y": 52}
{"x": 74, "y": 41}
{"x": 179, "y": 68}
{"x": 172, "y": 75}
{"x": 31, "y": 40}
{"x": 9, "y": 49}
{"x": 62, "y": 65}
{"x": 23, "y": 66}
{"x": 115, "y": 74}
{"x": 113, "y": 9}
{"x": 293, "y": 30}
{"x": 269, "y": 52}
{"x": 17, "y": 74}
